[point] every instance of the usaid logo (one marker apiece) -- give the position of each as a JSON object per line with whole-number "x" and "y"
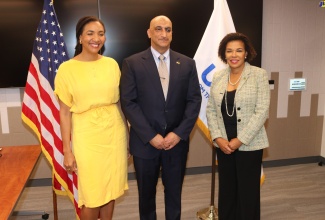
{"x": 205, "y": 75}
{"x": 322, "y": 4}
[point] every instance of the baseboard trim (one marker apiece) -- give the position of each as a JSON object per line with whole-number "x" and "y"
{"x": 207, "y": 169}
{"x": 293, "y": 161}
{"x": 39, "y": 182}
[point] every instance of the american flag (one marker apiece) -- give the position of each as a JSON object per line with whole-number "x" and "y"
{"x": 40, "y": 108}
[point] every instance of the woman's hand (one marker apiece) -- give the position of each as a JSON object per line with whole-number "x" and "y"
{"x": 235, "y": 143}
{"x": 224, "y": 145}
{"x": 70, "y": 162}
{"x": 128, "y": 153}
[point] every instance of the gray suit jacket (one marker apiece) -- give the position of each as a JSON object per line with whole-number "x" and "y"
{"x": 252, "y": 107}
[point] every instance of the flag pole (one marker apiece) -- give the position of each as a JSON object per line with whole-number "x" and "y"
{"x": 210, "y": 213}
{"x": 55, "y": 206}
{"x": 54, "y": 198}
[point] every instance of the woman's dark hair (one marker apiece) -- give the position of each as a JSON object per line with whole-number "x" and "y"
{"x": 80, "y": 28}
{"x": 251, "y": 53}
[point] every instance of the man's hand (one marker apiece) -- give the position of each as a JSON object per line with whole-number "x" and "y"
{"x": 157, "y": 142}
{"x": 171, "y": 140}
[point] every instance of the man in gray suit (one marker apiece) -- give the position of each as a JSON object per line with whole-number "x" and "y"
{"x": 161, "y": 117}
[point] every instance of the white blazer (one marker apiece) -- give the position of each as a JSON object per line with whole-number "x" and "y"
{"x": 252, "y": 101}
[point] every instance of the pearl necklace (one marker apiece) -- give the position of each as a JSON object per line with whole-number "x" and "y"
{"x": 233, "y": 108}
{"x": 233, "y": 84}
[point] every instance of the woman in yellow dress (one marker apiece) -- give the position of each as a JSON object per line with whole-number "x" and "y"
{"x": 87, "y": 87}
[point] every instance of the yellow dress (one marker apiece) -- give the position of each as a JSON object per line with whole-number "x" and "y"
{"x": 99, "y": 134}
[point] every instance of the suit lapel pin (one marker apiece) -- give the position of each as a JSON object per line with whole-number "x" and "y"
{"x": 178, "y": 62}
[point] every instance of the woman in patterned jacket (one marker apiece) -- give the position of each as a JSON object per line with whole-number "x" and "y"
{"x": 236, "y": 112}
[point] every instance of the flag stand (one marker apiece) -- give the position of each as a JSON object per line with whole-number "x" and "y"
{"x": 55, "y": 206}
{"x": 210, "y": 213}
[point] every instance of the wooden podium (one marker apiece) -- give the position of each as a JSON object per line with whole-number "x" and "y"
{"x": 16, "y": 166}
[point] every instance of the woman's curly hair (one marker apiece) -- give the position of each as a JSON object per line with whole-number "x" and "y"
{"x": 251, "y": 53}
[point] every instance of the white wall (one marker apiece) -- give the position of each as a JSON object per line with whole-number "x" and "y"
{"x": 293, "y": 41}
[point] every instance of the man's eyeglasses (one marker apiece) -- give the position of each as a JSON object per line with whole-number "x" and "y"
{"x": 161, "y": 29}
